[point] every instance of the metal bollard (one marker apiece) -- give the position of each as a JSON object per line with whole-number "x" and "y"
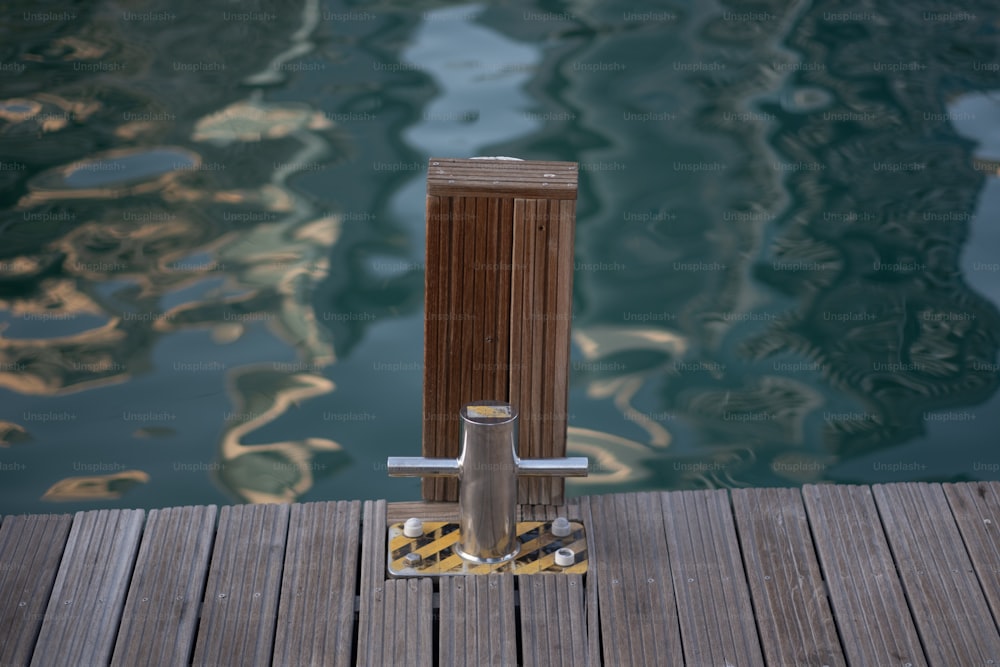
{"x": 487, "y": 469}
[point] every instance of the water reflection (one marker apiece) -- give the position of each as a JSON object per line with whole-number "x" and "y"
{"x": 95, "y": 487}
{"x": 480, "y": 79}
{"x": 108, "y": 252}
{"x": 645, "y": 352}
{"x": 772, "y": 214}
{"x": 12, "y": 434}
{"x": 801, "y": 236}
{"x": 278, "y": 471}
{"x": 869, "y": 252}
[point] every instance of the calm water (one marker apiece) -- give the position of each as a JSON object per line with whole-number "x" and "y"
{"x": 211, "y": 239}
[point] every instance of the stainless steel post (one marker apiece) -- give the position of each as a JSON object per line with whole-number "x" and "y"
{"x": 487, "y": 469}
{"x": 487, "y": 491}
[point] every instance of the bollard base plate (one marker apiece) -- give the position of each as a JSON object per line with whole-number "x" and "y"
{"x": 438, "y": 557}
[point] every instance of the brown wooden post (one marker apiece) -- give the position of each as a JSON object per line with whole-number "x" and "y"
{"x": 498, "y": 289}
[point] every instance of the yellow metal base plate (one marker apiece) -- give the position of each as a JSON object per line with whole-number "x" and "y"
{"x": 438, "y": 557}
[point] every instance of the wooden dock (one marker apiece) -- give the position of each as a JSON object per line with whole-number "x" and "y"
{"x": 896, "y": 574}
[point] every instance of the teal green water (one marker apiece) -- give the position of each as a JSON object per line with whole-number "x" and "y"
{"x": 211, "y": 239}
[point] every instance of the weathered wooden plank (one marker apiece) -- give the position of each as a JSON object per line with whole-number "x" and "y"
{"x": 945, "y": 596}
{"x": 453, "y": 323}
{"x": 865, "y": 592}
{"x": 976, "y": 507}
{"x": 316, "y": 609}
{"x": 713, "y": 599}
{"x": 30, "y": 549}
{"x": 570, "y": 510}
{"x": 502, "y": 211}
{"x": 477, "y": 272}
{"x": 794, "y": 618}
{"x": 488, "y": 269}
{"x": 451, "y": 358}
{"x": 628, "y": 551}
{"x": 241, "y": 596}
{"x": 402, "y": 618}
{"x": 436, "y": 281}
{"x": 161, "y": 611}
{"x": 558, "y": 620}
{"x": 547, "y": 411}
{"x": 594, "y": 652}
{"x": 477, "y": 621}
{"x": 470, "y": 306}
{"x": 526, "y": 284}
{"x": 83, "y": 612}
{"x": 559, "y": 332}
{"x": 456, "y": 177}
{"x": 371, "y": 618}
{"x": 403, "y": 510}
{"x": 550, "y": 415}
{"x": 541, "y": 309}
{"x": 553, "y": 621}
{"x": 395, "y": 619}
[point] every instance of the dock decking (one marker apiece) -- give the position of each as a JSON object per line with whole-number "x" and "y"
{"x": 896, "y": 574}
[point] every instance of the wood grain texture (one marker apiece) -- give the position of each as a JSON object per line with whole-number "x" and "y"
{"x": 937, "y": 575}
{"x": 401, "y": 625}
{"x": 865, "y": 592}
{"x": 570, "y": 510}
{"x": 436, "y": 281}
{"x": 976, "y": 508}
{"x": 81, "y": 619}
{"x": 502, "y": 211}
{"x": 456, "y": 177}
{"x": 401, "y": 511}
{"x": 628, "y": 553}
{"x": 161, "y": 611}
{"x": 541, "y": 314}
{"x": 498, "y": 306}
{"x": 553, "y": 621}
{"x": 713, "y": 599}
{"x": 525, "y": 375}
{"x": 560, "y": 326}
{"x": 240, "y": 608}
{"x": 793, "y": 613}
{"x": 911, "y": 572}
{"x": 372, "y": 583}
{"x": 477, "y": 621}
{"x": 316, "y": 609}
{"x": 592, "y": 584}
{"x": 31, "y": 547}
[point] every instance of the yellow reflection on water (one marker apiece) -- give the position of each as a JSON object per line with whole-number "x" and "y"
{"x": 602, "y": 341}
{"x": 278, "y": 471}
{"x": 95, "y": 487}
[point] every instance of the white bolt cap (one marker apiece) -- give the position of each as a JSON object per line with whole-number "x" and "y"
{"x": 565, "y": 557}
{"x": 561, "y": 527}
{"x": 413, "y": 527}
{"x": 413, "y": 558}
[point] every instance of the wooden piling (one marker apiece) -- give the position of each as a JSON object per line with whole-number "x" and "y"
{"x": 498, "y": 287}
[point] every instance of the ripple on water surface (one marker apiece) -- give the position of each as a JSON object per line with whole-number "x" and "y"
{"x": 109, "y": 172}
